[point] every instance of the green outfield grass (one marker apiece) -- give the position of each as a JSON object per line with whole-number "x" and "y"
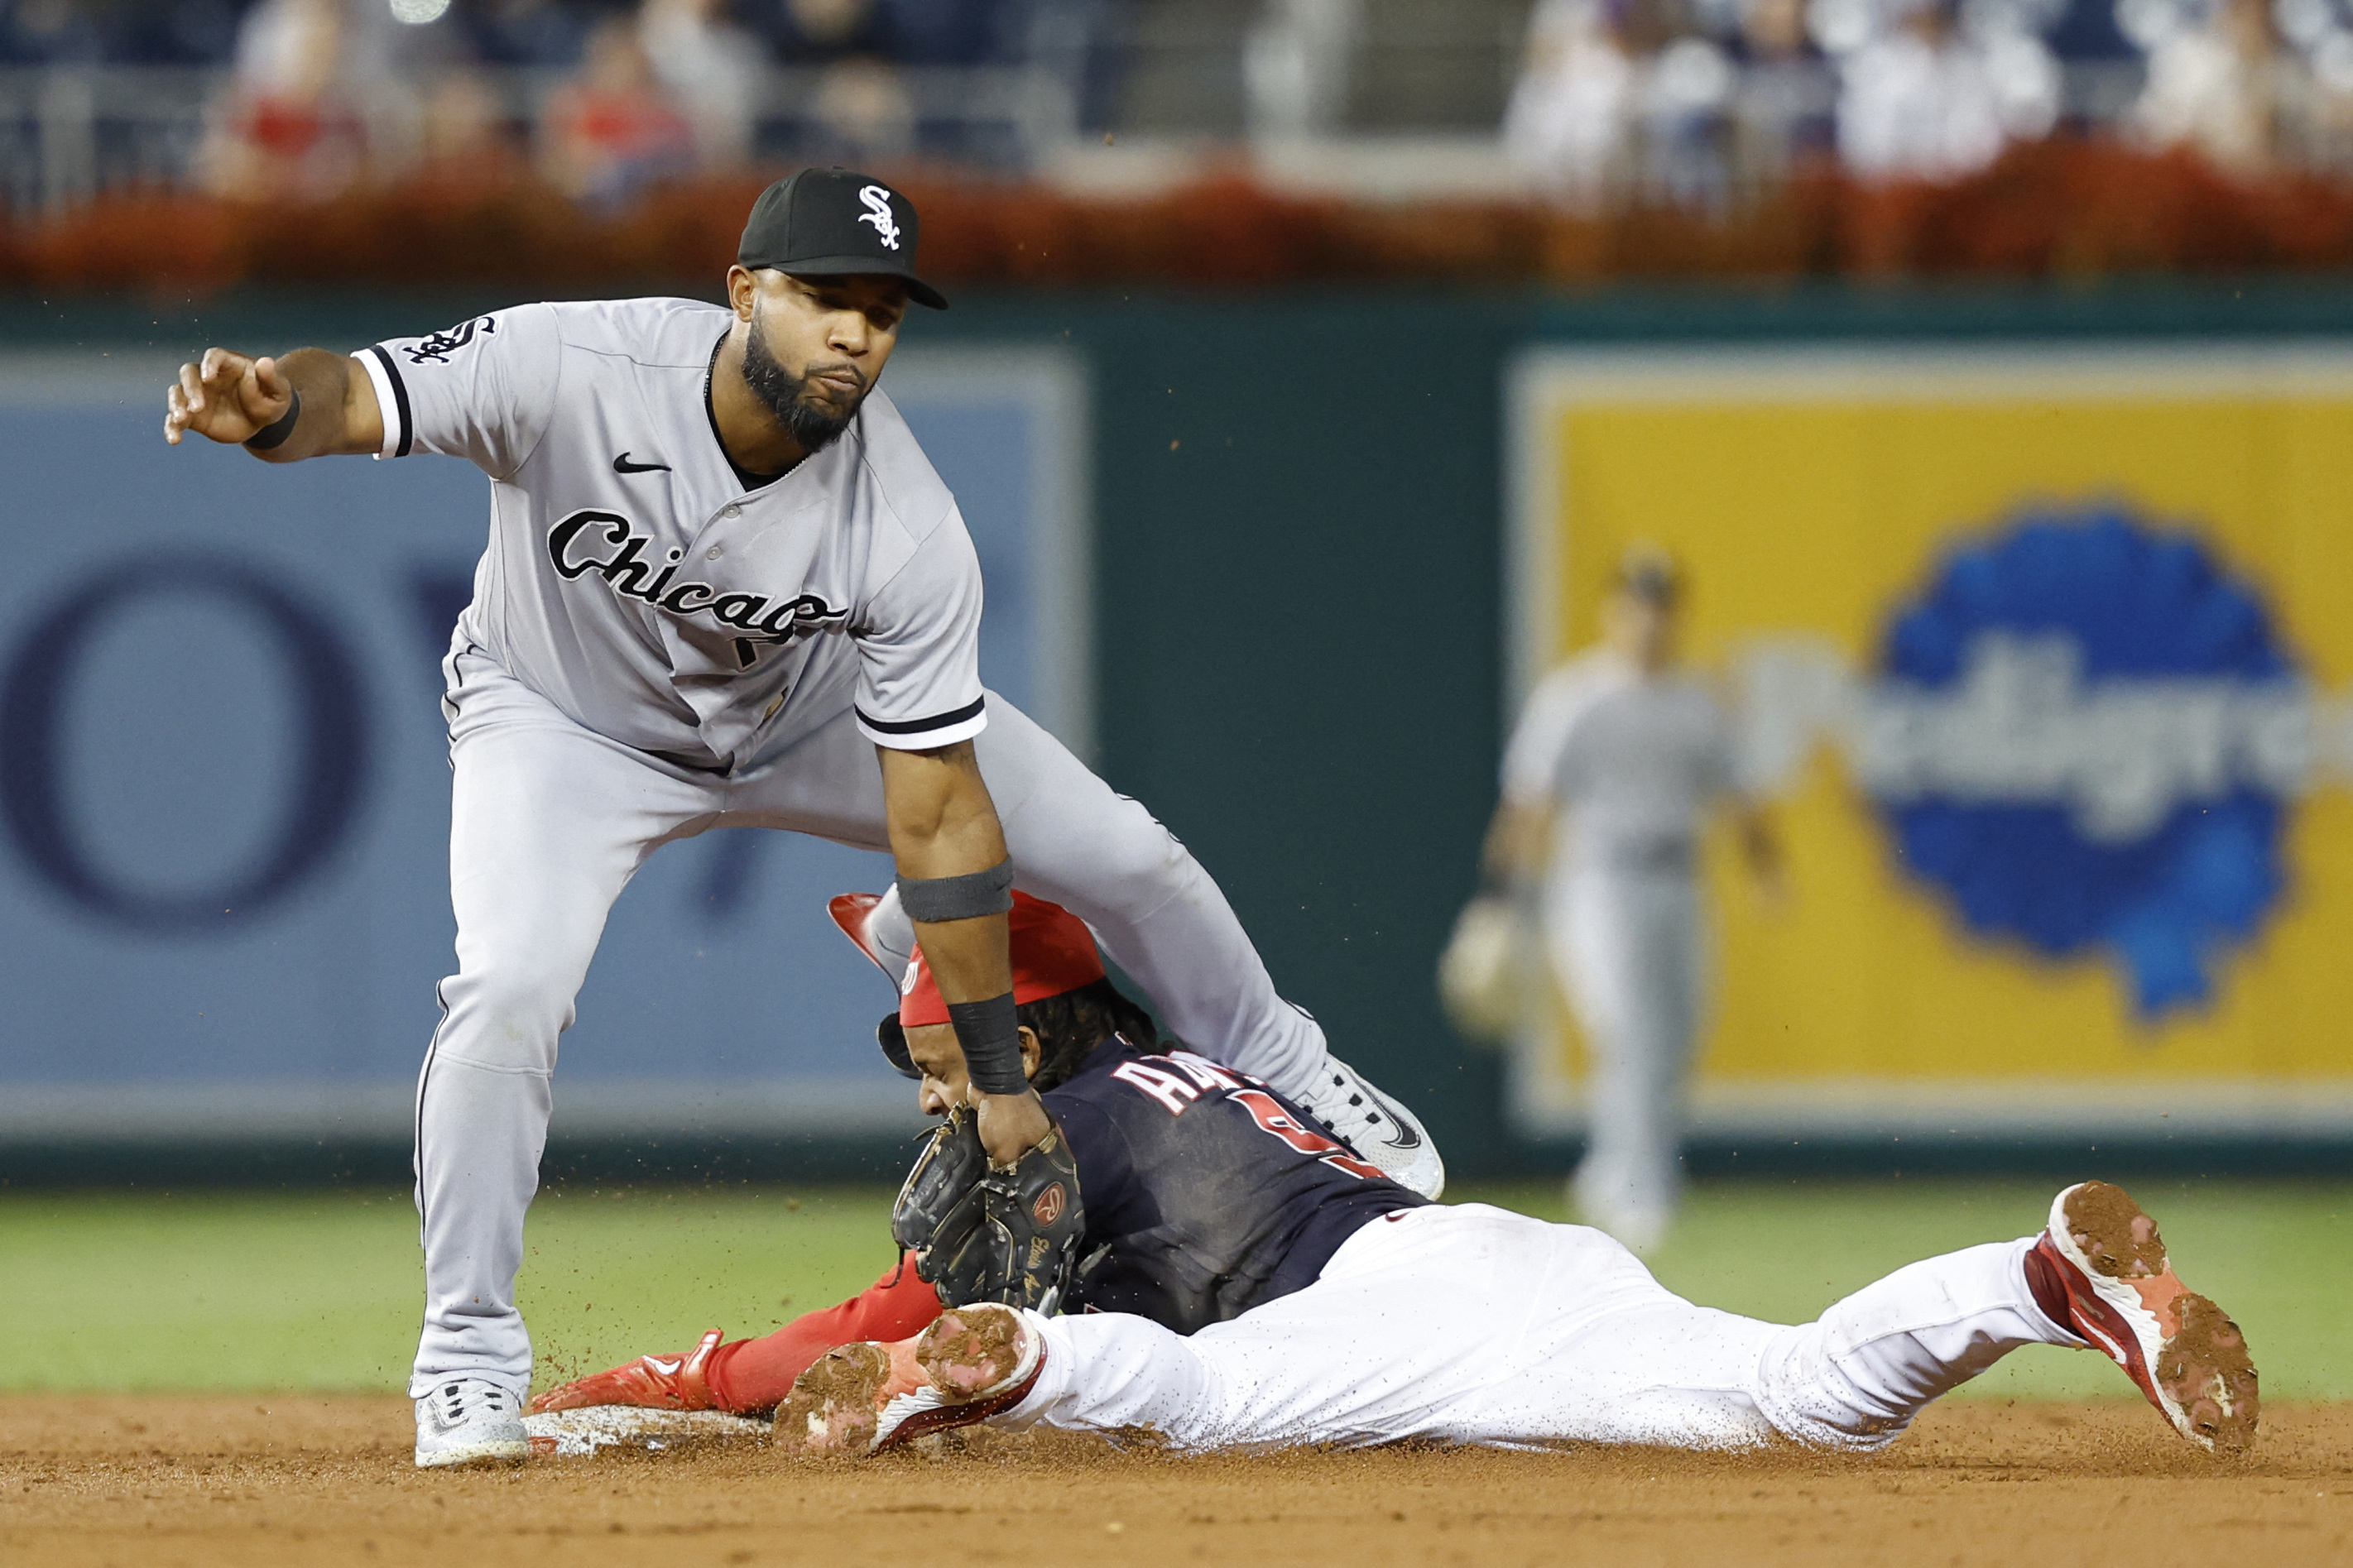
{"x": 320, "y": 1291}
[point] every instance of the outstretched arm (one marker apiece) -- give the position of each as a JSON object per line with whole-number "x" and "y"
{"x": 757, "y": 1374}
{"x": 746, "y": 1376}
{"x": 231, "y": 398}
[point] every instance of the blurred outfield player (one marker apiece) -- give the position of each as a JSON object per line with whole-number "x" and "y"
{"x": 1251, "y": 1284}
{"x": 1619, "y": 756}
{"x": 724, "y": 588}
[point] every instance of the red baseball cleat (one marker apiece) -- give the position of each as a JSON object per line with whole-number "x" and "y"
{"x": 2121, "y": 1293}
{"x": 654, "y": 1382}
{"x": 973, "y": 1362}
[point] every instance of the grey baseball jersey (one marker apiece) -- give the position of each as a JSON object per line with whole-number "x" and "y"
{"x": 1635, "y": 759}
{"x": 649, "y": 589}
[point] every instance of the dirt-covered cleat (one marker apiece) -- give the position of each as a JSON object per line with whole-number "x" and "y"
{"x": 1375, "y": 1126}
{"x": 973, "y": 1362}
{"x": 469, "y": 1421}
{"x": 836, "y": 1404}
{"x": 977, "y": 1362}
{"x": 977, "y": 1352}
{"x": 651, "y": 1381}
{"x": 2103, "y": 1253}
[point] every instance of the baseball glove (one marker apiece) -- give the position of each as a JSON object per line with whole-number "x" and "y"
{"x": 980, "y": 1233}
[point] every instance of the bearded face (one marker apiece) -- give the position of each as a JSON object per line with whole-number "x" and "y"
{"x": 813, "y": 411}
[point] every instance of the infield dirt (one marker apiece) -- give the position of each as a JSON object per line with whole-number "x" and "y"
{"x": 165, "y": 1482}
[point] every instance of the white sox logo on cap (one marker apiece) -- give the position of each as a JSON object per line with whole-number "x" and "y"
{"x": 878, "y": 213}
{"x": 834, "y": 223}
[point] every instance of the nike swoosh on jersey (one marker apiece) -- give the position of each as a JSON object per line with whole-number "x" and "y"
{"x": 621, "y": 465}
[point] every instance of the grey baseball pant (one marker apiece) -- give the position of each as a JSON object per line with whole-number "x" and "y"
{"x": 548, "y": 823}
{"x": 1627, "y": 945}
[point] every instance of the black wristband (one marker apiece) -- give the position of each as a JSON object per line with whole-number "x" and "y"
{"x": 274, "y": 434}
{"x": 933, "y": 899}
{"x": 990, "y": 1034}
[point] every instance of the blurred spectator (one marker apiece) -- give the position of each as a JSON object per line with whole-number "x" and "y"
{"x": 1918, "y": 102}
{"x": 293, "y": 125}
{"x": 905, "y": 32}
{"x": 1569, "y": 123}
{"x": 2212, "y": 80}
{"x": 2028, "y": 86}
{"x": 1779, "y": 111}
{"x": 1686, "y": 103}
{"x": 815, "y": 32}
{"x": 171, "y": 32}
{"x": 50, "y": 32}
{"x": 863, "y": 110}
{"x": 957, "y": 32}
{"x": 612, "y": 129}
{"x": 1295, "y": 61}
{"x": 711, "y": 67}
{"x": 2317, "y": 99}
{"x": 466, "y": 139}
{"x": 527, "y": 33}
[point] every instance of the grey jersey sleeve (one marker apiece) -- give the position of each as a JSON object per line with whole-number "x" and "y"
{"x": 919, "y": 648}
{"x": 483, "y": 390}
{"x": 1537, "y": 763}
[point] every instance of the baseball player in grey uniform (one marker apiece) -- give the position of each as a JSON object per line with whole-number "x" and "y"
{"x": 1619, "y": 753}
{"x": 721, "y": 582}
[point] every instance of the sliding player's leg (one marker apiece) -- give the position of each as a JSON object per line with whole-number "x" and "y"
{"x": 1478, "y": 1326}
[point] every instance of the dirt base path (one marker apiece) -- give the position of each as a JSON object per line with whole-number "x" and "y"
{"x": 163, "y": 1483}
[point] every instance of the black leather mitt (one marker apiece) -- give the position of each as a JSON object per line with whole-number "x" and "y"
{"x": 980, "y": 1233}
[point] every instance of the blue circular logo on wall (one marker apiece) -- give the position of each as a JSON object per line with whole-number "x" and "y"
{"x": 2080, "y": 709}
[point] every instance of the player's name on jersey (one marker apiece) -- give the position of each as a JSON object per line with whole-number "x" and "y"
{"x": 2024, "y": 726}
{"x": 609, "y": 545}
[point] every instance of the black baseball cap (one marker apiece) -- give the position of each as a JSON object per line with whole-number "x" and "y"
{"x": 1650, "y": 575}
{"x": 830, "y": 223}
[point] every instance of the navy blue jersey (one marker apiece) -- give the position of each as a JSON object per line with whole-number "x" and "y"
{"x": 1207, "y": 1193}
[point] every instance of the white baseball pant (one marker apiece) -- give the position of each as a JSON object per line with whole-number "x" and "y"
{"x": 1471, "y": 1324}
{"x": 1627, "y": 947}
{"x": 548, "y": 823}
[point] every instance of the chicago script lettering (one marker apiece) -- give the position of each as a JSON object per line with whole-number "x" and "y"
{"x": 574, "y": 549}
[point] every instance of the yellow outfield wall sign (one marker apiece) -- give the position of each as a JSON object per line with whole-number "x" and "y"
{"x": 2044, "y": 659}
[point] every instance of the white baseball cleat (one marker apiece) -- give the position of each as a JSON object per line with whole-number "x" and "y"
{"x": 973, "y": 1362}
{"x": 1375, "y": 1126}
{"x": 2121, "y": 1295}
{"x": 469, "y": 1421}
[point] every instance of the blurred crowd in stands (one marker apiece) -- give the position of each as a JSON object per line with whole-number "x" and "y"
{"x": 1695, "y": 102}
{"x": 602, "y": 96}
{"x": 1688, "y": 99}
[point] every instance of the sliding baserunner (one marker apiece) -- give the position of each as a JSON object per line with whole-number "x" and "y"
{"x": 1249, "y": 1283}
